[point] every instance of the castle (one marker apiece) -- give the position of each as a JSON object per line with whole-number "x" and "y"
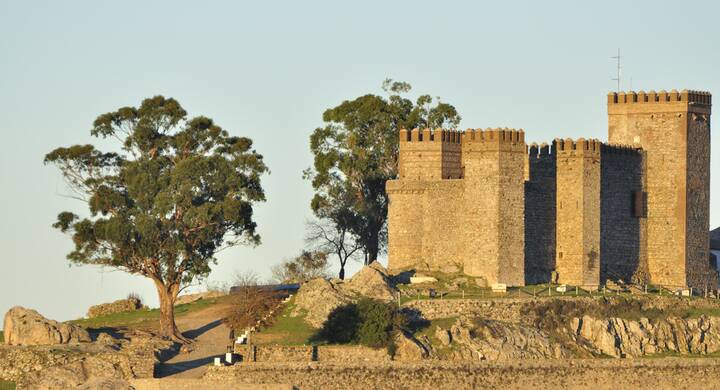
{"x": 578, "y": 212}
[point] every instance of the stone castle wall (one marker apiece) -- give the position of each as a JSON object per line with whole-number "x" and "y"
{"x": 621, "y": 231}
{"x": 540, "y": 210}
{"x": 485, "y": 203}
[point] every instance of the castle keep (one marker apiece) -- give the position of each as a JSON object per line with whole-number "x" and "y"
{"x": 580, "y": 211}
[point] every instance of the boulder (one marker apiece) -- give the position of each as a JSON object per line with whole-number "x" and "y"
{"x": 407, "y": 349}
{"x": 372, "y": 281}
{"x": 119, "y": 306}
{"x": 27, "y": 327}
{"x": 443, "y": 335}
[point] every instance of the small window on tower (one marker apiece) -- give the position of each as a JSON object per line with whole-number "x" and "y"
{"x": 639, "y": 204}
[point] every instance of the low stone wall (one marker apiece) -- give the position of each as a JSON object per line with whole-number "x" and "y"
{"x": 120, "y": 306}
{"x": 190, "y": 298}
{"x": 500, "y": 309}
{"x": 351, "y": 353}
{"x": 309, "y": 353}
{"x": 579, "y": 374}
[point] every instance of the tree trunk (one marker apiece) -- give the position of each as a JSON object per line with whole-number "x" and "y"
{"x": 167, "y": 295}
{"x": 373, "y": 247}
{"x": 342, "y": 273}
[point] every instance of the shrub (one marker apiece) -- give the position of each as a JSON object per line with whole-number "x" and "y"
{"x": 368, "y": 322}
{"x": 134, "y": 295}
{"x": 250, "y": 307}
{"x": 341, "y": 326}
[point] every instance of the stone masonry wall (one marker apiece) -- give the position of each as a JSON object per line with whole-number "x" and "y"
{"x": 441, "y": 233}
{"x": 540, "y": 210}
{"x": 578, "y": 212}
{"x": 620, "y": 230}
{"x": 308, "y": 353}
{"x": 547, "y": 374}
{"x": 405, "y": 219}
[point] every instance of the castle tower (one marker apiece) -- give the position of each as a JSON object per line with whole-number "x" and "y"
{"x": 578, "y": 212}
{"x": 429, "y": 155}
{"x": 674, "y": 131}
{"x": 425, "y": 157}
{"x": 493, "y": 205}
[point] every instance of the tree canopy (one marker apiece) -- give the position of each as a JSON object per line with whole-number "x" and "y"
{"x": 356, "y": 152}
{"x": 174, "y": 192}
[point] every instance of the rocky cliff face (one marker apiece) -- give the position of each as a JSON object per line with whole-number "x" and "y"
{"x": 619, "y": 337}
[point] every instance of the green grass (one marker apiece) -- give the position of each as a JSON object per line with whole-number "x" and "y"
{"x": 141, "y": 318}
{"x": 7, "y": 385}
{"x": 2, "y": 337}
{"x": 286, "y": 330}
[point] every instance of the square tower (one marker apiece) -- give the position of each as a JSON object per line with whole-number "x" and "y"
{"x": 578, "y": 212}
{"x": 494, "y": 205}
{"x": 674, "y": 131}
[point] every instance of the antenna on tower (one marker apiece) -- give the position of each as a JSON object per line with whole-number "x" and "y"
{"x": 617, "y": 57}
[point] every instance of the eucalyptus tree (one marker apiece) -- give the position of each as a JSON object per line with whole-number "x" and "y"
{"x": 356, "y": 152}
{"x": 174, "y": 192}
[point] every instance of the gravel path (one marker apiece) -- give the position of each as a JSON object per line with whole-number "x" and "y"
{"x": 210, "y": 337}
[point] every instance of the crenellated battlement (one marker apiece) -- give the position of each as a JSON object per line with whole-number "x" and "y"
{"x": 632, "y": 97}
{"x": 497, "y": 135}
{"x": 608, "y": 148}
{"x": 577, "y": 147}
{"x": 428, "y": 135}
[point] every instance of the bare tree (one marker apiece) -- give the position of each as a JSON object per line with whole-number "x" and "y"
{"x": 308, "y": 265}
{"x": 327, "y": 236}
{"x": 246, "y": 278}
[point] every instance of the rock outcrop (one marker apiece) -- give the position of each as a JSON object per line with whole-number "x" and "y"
{"x": 407, "y": 349}
{"x": 119, "y": 306}
{"x": 372, "y": 281}
{"x": 27, "y": 327}
{"x": 500, "y": 341}
{"x": 318, "y": 297}
{"x": 619, "y": 337}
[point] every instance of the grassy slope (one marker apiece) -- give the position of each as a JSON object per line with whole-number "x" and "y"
{"x": 142, "y": 319}
{"x": 286, "y": 330}
{"x": 7, "y": 385}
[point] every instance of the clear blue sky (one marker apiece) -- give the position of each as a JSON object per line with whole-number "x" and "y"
{"x": 267, "y": 70}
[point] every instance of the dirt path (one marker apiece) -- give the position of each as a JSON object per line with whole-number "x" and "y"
{"x": 211, "y": 340}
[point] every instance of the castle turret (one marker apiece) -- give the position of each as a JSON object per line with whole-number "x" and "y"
{"x": 429, "y": 155}
{"x": 673, "y": 129}
{"x": 578, "y": 212}
{"x": 494, "y": 202}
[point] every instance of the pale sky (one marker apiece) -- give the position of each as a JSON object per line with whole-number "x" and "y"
{"x": 268, "y": 70}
